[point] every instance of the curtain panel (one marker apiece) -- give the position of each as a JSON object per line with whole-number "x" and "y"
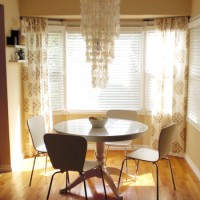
{"x": 35, "y": 76}
{"x": 172, "y": 81}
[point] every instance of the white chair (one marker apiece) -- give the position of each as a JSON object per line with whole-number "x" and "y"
{"x": 68, "y": 153}
{"x": 151, "y": 155}
{"x": 36, "y": 126}
{"x": 121, "y": 114}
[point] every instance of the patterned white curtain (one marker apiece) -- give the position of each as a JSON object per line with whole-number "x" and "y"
{"x": 170, "y": 81}
{"x": 35, "y": 76}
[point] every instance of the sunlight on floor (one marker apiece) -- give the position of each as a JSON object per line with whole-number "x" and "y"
{"x": 141, "y": 180}
{"x": 26, "y": 164}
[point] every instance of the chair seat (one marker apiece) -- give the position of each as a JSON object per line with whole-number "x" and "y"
{"x": 42, "y": 148}
{"x": 120, "y": 143}
{"x": 145, "y": 154}
{"x": 90, "y": 165}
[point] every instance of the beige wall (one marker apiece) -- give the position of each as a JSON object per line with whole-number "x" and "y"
{"x": 193, "y": 145}
{"x": 127, "y": 7}
{"x": 195, "y": 8}
{"x": 11, "y": 16}
{"x": 193, "y": 135}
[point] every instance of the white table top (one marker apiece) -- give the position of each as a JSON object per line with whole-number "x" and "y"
{"x": 114, "y": 130}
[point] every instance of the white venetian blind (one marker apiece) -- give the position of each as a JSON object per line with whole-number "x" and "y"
{"x": 194, "y": 77}
{"x": 124, "y": 88}
{"x": 56, "y": 68}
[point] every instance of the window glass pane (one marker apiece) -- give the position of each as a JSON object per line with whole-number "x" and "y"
{"x": 124, "y": 88}
{"x": 55, "y": 63}
{"x": 194, "y": 77}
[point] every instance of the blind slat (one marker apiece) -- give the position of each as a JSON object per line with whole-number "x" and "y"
{"x": 55, "y": 63}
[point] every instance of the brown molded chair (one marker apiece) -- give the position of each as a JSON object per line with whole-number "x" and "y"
{"x": 68, "y": 153}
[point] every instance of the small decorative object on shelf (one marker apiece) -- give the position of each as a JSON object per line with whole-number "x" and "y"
{"x": 16, "y": 57}
{"x": 19, "y": 55}
{"x": 14, "y": 38}
{"x": 22, "y": 39}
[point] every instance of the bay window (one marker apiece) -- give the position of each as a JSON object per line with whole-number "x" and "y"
{"x": 124, "y": 88}
{"x": 130, "y": 77}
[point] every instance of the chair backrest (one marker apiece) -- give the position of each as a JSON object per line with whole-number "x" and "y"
{"x": 66, "y": 152}
{"x": 122, "y": 114}
{"x": 36, "y": 126}
{"x": 165, "y": 140}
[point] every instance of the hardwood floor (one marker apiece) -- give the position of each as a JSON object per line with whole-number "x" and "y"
{"x": 14, "y": 186}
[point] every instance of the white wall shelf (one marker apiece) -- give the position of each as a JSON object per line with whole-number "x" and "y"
{"x": 19, "y": 61}
{"x": 15, "y": 57}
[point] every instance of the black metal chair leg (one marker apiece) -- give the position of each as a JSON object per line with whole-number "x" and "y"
{"x": 121, "y": 173}
{"x": 67, "y": 181}
{"x": 84, "y": 186}
{"x": 137, "y": 167}
{"x": 32, "y": 169}
{"x": 104, "y": 187}
{"x": 51, "y": 183}
{"x": 172, "y": 175}
{"x": 46, "y": 163}
{"x": 125, "y": 152}
{"x": 157, "y": 181}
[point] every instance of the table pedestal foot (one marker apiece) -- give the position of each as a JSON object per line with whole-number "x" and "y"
{"x": 110, "y": 182}
{"x": 90, "y": 174}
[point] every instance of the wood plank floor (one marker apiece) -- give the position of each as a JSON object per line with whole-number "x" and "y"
{"x": 14, "y": 186}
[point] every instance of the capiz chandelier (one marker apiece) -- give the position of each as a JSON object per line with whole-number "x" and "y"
{"x": 100, "y": 25}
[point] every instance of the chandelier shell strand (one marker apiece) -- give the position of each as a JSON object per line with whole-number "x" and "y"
{"x": 100, "y": 25}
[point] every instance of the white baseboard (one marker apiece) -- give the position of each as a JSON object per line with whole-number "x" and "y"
{"x": 178, "y": 155}
{"x": 5, "y": 168}
{"x": 193, "y": 166}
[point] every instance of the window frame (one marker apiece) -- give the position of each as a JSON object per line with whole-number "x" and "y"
{"x": 143, "y": 28}
{"x": 194, "y": 24}
{"x": 122, "y": 30}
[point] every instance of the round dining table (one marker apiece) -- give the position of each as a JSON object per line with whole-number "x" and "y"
{"x": 114, "y": 130}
